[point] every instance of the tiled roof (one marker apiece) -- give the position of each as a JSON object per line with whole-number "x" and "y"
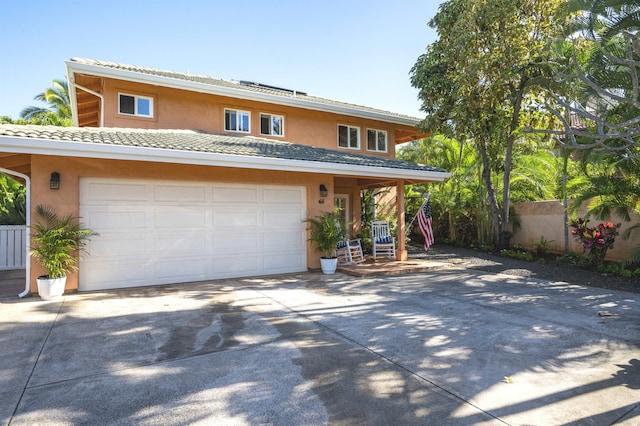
{"x": 240, "y": 85}
{"x": 205, "y": 143}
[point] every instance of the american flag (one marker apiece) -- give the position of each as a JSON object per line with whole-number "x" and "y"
{"x": 424, "y": 222}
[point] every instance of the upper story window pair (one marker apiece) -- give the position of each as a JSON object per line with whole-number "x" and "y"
{"x": 240, "y": 121}
{"x": 270, "y": 124}
{"x": 349, "y": 137}
{"x": 141, "y": 106}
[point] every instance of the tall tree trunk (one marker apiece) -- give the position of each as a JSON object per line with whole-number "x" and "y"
{"x": 503, "y": 236}
{"x": 491, "y": 194}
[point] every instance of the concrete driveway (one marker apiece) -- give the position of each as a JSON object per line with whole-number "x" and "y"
{"x": 445, "y": 347}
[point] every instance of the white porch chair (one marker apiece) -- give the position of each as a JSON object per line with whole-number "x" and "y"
{"x": 383, "y": 243}
{"x": 349, "y": 252}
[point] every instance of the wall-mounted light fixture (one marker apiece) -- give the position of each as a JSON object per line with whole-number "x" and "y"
{"x": 54, "y": 182}
{"x": 324, "y": 192}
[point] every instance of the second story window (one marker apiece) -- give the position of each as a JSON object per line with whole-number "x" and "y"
{"x": 271, "y": 125}
{"x": 348, "y": 136}
{"x": 141, "y": 106}
{"x": 376, "y": 140}
{"x": 236, "y": 121}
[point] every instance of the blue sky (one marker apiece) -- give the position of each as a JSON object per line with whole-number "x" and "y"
{"x": 353, "y": 51}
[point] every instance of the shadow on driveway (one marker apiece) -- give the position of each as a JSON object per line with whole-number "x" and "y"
{"x": 442, "y": 347}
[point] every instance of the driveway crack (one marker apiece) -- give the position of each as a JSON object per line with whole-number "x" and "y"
{"x": 35, "y": 364}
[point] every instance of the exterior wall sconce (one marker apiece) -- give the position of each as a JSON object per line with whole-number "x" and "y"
{"x": 324, "y": 192}
{"x": 54, "y": 182}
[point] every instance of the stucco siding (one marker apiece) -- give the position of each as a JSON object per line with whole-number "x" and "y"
{"x": 546, "y": 218}
{"x": 67, "y": 199}
{"x": 181, "y": 109}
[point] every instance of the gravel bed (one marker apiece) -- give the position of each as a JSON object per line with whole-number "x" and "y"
{"x": 550, "y": 270}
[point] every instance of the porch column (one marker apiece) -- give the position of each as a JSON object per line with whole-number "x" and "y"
{"x": 401, "y": 252}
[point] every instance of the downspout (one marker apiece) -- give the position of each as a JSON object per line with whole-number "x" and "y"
{"x": 27, "y": 180}
{"x": 76, "y": 85}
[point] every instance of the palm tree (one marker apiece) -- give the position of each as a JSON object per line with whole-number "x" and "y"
{"x": 610, "y": 182}
{"x": 455, "y": 202}
{"x": 59, "y": 110}
{"x": 12, "y": 201}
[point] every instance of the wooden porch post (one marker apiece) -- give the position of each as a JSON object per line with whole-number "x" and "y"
{"x": 401, "y": 252}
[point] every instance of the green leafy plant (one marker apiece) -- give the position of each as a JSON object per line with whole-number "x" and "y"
{"x": 57, "y": 241}
{"x": 619, "y": 269}
{"x": 595, "y": 241}
{"x": 325, "y": 232}
{"x": 12, "y": 201}
{"x": 517, "y": 254}
{"x": 542, "y": 246}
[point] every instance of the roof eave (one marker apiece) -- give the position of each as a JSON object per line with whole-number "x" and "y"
{"x": 79, "y": 149}
{"x": 193, "y": 86}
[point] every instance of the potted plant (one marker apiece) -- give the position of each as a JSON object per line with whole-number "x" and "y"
{"x": 56, "y": 244}
{"x": 325, "y": 232}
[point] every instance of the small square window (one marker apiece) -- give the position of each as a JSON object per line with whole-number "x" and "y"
{"x": 348, "y": 137}
{"x": 271, "y": 125}
{"x": 127, "y": 104}
{"x": 135, "y": 105}
{"x": 376, "y": 140}
{"x": 144, "y": 106}
{"x": 236, "y": 121}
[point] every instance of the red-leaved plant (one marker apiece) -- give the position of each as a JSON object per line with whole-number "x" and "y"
{"x": 595, "y": 241}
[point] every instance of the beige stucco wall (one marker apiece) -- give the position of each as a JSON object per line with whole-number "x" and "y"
{"x": 546, "y": 218}
{"x": 181, "y": 109}
{"x": 66, "y": 199}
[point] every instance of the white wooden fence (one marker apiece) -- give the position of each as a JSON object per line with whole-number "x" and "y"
{"x": 13, "y": 246}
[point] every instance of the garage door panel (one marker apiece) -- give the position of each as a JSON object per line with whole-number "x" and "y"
{"x": 106, "y": 275}
{"x": 162, "y": 232}
{"x": 279, "y": 217}
{"x": 183, "y": 244}
{"x": 180, "y": 193}
{"x": 236, "y": 266}
{"x": 236, "y": 243}
{"x": 284, "y": 196}
{"x": 115, "y": 191}
{"x": 182, "y": 269}
{"x": 180, "y": 217}
{"x": 232, "y": 195}
{"x": 240, "y": 218}
{"x": 114, "y": 219}
{"x": 287, "y": 240}
{"x": 118, "y": 245}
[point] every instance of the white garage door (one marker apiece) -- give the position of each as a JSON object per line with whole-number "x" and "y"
{"x": 157, "y": 232}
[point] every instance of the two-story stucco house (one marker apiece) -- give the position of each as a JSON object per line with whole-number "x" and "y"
{"x": 190, "y": 178}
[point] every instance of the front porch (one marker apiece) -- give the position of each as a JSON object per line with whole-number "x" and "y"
{"x": 418, "y": 261}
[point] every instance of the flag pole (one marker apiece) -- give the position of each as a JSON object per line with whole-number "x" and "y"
{"x": 408, "y": 229}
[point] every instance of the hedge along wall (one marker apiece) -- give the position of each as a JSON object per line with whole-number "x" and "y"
{"x": 546, "y": 218}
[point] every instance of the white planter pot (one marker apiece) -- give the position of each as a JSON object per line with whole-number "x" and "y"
{"x": 329, "y": 265}
{"x": 51, "y": 288}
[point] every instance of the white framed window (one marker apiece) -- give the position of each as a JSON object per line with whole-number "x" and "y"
{"x": 348, "y": 136}
{"x": 237, "y": 121}
{"x": 141, "y": 106}
{"x": 376, "y": 140}
{"x": 271, "y": 124}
